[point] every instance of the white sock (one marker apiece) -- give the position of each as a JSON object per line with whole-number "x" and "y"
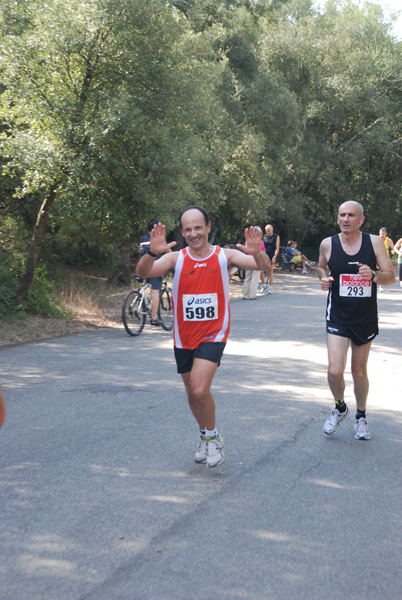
{"x": 212, "y": 433}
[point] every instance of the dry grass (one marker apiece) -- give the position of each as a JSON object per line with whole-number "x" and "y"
{"x": 92, "y": 303}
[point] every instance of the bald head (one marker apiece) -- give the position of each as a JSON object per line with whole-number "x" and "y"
{"x": 350, "y": 217}
{"x": 351, "y": 204}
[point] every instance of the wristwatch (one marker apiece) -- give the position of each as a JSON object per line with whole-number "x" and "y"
{"x": 374, "y": 275}
{"x": 156, "y": 255}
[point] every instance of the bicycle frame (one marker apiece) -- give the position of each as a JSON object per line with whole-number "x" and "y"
{"x": 145, "y": 292}
{"x": 137, "y": 308}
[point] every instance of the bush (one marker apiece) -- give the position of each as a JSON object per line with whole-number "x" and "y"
{"x": 40, "y": 299}
{"x": 8, "y": 286}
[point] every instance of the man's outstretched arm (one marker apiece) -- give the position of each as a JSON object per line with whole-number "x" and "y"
{"x": 254, "y": 259}
{"x": 153, "y": 265}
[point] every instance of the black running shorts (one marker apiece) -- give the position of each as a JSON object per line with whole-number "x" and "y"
{"x": 211, "y": 351}
{"x": 359, "y": 334}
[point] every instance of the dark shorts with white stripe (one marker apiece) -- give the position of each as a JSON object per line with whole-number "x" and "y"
{"x": 359, "y": 334}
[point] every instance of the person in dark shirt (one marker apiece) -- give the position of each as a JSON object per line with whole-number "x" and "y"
{"x": 271, "y": 242}
{"x": 347, "y": 271}
{"x": 156, "y": 282}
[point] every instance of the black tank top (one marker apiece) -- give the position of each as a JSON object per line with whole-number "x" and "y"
{"x": 351, "y": 299}
{"x": 270, "y": 244}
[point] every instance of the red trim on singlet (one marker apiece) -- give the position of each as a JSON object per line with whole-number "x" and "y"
{"x": 194, "y": 277}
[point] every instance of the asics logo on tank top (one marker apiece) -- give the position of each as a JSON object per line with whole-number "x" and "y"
{"x": 200, "y": 300}
{"x": 196, "y": 266}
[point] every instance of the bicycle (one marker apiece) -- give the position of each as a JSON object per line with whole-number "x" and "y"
{"x": 137, "y": 307}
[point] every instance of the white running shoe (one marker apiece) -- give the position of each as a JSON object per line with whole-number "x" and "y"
{"x": 201, "y": 454}
{"x": 361, "y": 429}
{"x": 305, "y": 271}
{"x": 263, "y": 290}
{"x": 270, "y": 291}
{"x": 311, "y": 263}
{"x": 215, "y": 454}
{"x": 334, "y": 421}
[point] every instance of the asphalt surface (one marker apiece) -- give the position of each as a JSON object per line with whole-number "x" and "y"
{"x": 100, "y": 498}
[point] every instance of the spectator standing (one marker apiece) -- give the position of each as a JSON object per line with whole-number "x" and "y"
{"x": 251, "y": 278}
{"x": 398, "y": 250}
{"x": 271, "y": 243}
{"x": 389, "y": 245}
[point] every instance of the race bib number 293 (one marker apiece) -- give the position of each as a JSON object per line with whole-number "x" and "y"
{"x": 354, "y": 286}
{"x": 200, "y": 307}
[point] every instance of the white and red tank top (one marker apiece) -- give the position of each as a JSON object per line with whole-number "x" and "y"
{"x": 201, "y": 299}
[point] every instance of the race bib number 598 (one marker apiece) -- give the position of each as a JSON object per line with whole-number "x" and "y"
{"x": 352, "y": 286}
{"x": 200, "y": 307}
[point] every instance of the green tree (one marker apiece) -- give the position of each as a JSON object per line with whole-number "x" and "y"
{"x": 115, "y": 111}
{"x": 343, "y": 69}
{"x": 107, "y": 104}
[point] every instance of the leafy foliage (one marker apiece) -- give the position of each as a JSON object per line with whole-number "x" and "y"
{"x": 115, "y": 111}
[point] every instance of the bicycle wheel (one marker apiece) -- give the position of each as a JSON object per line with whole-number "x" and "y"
{"x": 133, "y": 314}
{"x": 165, "y": 310}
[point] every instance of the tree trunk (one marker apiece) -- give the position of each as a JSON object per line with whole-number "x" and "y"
{"x": 285, "y": 231}
{"x": 33, "y": 256}
{"x": 123, "y": 268}
{"x": 304, "y": 232}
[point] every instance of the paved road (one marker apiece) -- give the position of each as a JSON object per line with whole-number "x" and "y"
{"x": 101, "y": 499}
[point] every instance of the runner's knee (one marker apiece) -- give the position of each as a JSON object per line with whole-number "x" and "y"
{"x": 359, "y": 372}
{"x": 335, "y": 372}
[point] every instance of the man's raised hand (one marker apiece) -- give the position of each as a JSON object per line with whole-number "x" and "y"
{"x": 253, "y": 237}
{"x": 159, "y": 244}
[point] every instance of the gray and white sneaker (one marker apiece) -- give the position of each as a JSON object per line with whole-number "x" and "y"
{"x": 361, "y": 429}
{"x": 334, "y": 421}
{"x": 201, "y": 454}
{"x": 215, "y": 454}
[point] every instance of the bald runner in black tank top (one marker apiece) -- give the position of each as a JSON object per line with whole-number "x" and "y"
{"x": 351, "y": 299}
